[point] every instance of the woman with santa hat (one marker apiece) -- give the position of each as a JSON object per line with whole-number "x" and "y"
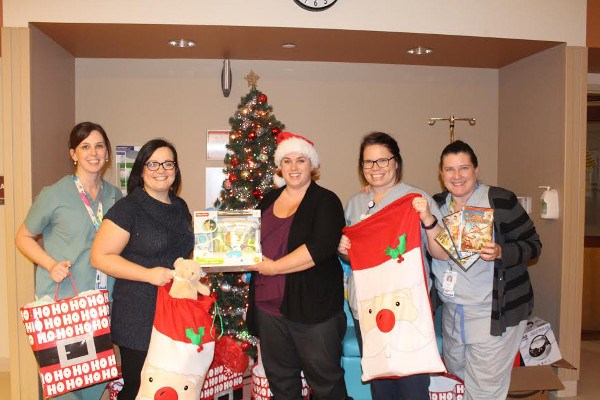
{"x": 380, "y": 168}
{"x": 296, "y": 293}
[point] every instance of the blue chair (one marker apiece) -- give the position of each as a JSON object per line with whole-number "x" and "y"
{"x": 351, "y": 361}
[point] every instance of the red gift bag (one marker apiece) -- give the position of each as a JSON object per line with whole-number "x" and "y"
{"x": 70, "y": 339}
{"x": 396, "y": 323}
{"x": 260, "y": 385}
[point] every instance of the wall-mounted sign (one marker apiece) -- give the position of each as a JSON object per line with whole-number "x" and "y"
{"x": 124, "y": 158}
{"x": 216, "y": 140}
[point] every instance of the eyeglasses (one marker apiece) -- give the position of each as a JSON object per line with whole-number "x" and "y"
{"x": 381, "y": 163}
{"x": 154, "y": 165}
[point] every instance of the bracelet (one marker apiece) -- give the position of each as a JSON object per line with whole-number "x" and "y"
{"x": 433, "y": 224}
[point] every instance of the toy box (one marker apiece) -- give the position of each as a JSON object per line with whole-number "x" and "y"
{"x": 227, "y": 240}
{"x": 538, "y": 346}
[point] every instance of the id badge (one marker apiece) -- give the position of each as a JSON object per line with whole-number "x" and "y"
{"x": 101, "y": 280}
{"x": 450, "y": 277}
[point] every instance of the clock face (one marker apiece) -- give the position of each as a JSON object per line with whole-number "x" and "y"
{"x": 315, "y": 5}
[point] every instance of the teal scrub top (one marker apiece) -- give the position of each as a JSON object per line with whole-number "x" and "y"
{"x": 58, "y": 213}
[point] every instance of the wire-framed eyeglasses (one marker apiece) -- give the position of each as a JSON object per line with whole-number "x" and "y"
{"x": 381, "y": 163}
{"x": 155, "y": 165}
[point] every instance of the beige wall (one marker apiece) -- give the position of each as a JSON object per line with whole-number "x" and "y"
{"x": 560, "y": 20}
{"x": 531, "y": 154}
{"x": 542, "y": 142}
{"x": 52, "y": 109}
{"x": 332, "y": 103}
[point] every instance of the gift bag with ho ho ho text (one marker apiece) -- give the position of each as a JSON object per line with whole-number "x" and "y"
{"x": 70, "y": 339}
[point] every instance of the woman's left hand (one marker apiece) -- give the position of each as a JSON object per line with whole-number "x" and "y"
{"x": 265, "y": 267}
{"x": 491, "y": 251}
{"x": 421, "y": 206}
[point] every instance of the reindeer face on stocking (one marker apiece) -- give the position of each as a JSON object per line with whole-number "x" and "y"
{"x": 391, "y": 289}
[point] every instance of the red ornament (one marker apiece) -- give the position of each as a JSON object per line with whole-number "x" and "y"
{"x": 233, "y": 178}
{"x": 214, "y": 295}
{"x": 262, "y": 98}
{"x": 235, "y": 161}
{"x": 275, "y": 131}
{"x": 246, "y": 346}
{"x": 257, "y": 193}
{"x": 252, "y": 135}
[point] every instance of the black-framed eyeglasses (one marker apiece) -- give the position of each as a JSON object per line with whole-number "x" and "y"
{"x": 381, "y": 163}
{"x": 155, "y": 165}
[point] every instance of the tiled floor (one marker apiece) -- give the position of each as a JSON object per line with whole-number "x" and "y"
{"x": 589, "y": 383}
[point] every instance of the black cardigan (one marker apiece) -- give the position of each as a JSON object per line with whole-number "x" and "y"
{"x": 317, "y": 293}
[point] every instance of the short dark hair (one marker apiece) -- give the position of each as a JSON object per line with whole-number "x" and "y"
{"x": 383, "y": 139}
{"x": 458, "y": 146}
{"x": 82, "y": 130}
{"x": 135, "y": 177}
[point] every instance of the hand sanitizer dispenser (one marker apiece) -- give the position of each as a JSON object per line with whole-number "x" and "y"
{"x": 549, "y": 203}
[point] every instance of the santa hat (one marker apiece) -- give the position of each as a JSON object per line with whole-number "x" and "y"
{"x": 290, "y": 143}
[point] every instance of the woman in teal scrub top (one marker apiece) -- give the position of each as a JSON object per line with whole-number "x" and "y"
{"x": 66, "y": 215}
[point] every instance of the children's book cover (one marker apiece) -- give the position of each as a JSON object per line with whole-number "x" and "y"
{"x": 476, "y": 228}
{"x": 443, "y": 238}
{"x": 452, "y": 224}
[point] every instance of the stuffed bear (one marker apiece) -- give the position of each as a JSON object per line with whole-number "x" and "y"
{"x": 186, "y": 280}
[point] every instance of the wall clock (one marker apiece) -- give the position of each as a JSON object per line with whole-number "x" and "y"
{"x": 315, "y": 5}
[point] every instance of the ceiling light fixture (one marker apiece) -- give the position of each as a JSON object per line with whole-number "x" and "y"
{"x": 289, "y": 46}
{"x": 182, "y": 43}
{"x": 419, "y": 51}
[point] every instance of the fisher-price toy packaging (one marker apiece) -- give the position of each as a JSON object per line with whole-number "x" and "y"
{"x": 227, "y": 241}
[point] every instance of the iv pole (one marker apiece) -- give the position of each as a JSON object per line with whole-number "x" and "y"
{"x": 451, "y": 120}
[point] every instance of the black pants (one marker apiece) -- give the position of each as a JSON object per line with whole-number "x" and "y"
{"x": 290, "y": 347}
{"x": 132, "y": 362}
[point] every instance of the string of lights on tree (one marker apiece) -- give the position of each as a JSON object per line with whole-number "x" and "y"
{"x": 249, "y": 169}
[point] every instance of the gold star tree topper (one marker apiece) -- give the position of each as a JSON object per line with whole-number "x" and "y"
{"x": 252, "y": 78}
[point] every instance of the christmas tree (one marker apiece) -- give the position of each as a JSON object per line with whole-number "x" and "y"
{"x": 249, "y": 169}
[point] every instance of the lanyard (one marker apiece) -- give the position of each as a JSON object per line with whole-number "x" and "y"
{"x": 97, "y": 218}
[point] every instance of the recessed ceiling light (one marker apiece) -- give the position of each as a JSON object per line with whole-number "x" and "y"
{"x": 289, "y": 46}
{"x": 419, "y": 51}
{"x": 182, "y": 43}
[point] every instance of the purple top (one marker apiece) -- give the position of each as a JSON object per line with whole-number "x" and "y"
{"x": 274, "y": 241}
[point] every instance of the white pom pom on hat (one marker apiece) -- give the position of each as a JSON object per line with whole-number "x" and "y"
{"x": 288, "y": 142}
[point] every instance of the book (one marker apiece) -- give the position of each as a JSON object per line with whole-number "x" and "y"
{"x": 227, "y": 241}
{"x": 452, "y": 222}
{"x": 476, "y": 228}
{"x": 444, "y": 240}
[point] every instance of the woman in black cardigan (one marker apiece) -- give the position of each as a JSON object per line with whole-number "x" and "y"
{"x": 296, "y": 298}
